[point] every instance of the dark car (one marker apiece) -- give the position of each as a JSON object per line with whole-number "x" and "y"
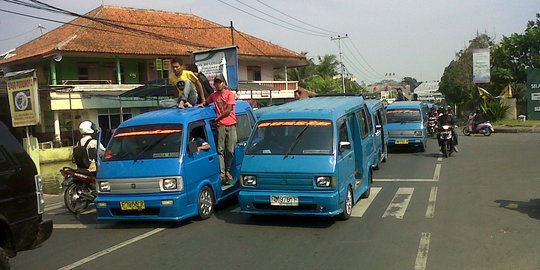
{"x": 21, "y": 200}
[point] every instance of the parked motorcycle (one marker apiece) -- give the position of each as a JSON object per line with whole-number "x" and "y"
{"x": 432, "y": 126}
{"x": 445, "y": 139}
{"x": 79, "y": 187}
{"x": 483, "y": 128}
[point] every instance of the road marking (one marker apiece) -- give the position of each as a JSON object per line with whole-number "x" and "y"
{"x": 437, "y": 172}
{"x": 422, "y": 255}
{"x": 111, "y": 249}
{"x": 430, "y": 212}
{"x": 439, "y": 159}
{"x": 404, "y": 180}
{"x": 70, "y": 226}
{"x": 399, "y": 203}
{"x": 53, "y": 206}
{"x": 362, "y": 205}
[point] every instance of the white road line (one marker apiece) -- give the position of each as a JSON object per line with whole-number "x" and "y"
{"x": 399, "y": 203}
{"x": 111, "y": 249}
{"x": 422, "y": 255}
{"x": 437, "y": 172}
{"x": 430, "y": 212}
{"x": 362, "y": 205}
{"x": 439, "y": 159}
{"x": 70, "y": 226}
{"x": 404, "y": 180}
{"x": 53, "y": 207}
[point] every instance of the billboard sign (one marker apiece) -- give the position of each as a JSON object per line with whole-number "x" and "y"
{"x": 23, "y": 99}
{"x": 481, "y": 72}
{"x": 219, "y": 61}
{"x": 533, "y": 93}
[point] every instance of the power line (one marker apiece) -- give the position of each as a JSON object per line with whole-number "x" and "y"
{"x": 21, "y": 34}
{"x": 268, "y": 21}
{"x": 303, "y": 28}
{"x": 358, "y": 51}
{"x": 329, "y": 31}
{"x": 359, "y": 63}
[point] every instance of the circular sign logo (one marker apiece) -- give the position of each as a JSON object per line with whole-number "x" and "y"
{"x": 21, "y": 101}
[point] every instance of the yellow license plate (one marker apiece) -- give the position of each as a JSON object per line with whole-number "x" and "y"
{"x": 402, "y": 141}
{"x": 132, "y": 205}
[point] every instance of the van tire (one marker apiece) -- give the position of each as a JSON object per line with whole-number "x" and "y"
{"x": 205, "y": 203}
{"x": 368, "y": 191}
{"x": 4, "y": 260}
{"x": 347, "y": 205}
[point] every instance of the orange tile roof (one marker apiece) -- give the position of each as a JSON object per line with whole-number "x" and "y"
{"x": 145, "y": 32}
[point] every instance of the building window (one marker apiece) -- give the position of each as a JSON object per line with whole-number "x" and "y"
{"x": 254, "y": 73}
{"x": 87, "y": 72}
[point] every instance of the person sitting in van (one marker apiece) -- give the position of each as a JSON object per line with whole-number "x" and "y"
{"x": 202, "y": 144}
{"x": 186, "y": 84}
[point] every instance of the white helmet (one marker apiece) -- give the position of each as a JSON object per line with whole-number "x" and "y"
{"x": 87, "y": 128}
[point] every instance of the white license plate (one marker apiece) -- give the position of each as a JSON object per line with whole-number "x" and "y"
{"x": 281, "y": 200}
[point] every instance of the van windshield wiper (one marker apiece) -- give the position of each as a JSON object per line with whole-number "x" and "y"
{"x": 296, "y": 140}
{"x": 156, "y": 142}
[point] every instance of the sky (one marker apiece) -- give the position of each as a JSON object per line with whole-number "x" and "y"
{"x": 386, "y": 39}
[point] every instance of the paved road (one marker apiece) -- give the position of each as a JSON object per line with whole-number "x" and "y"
{"x": 478, "y": 209}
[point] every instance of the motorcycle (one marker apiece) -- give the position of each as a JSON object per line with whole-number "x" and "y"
{"x": 432, "y": 125}
{"x": 483, "y": 128}
{"x": 79, "y": 187}
{"x": 445, "y": 139}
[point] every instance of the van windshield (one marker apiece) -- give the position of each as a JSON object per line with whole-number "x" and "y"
{"x": 403, "y": 115}
{"x": 292, "y": 137}
{"x": 145, "y": 142}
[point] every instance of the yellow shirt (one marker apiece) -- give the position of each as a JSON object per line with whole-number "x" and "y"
{"x": 177, "y": 81}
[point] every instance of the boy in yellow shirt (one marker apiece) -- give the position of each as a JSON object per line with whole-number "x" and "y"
{"x": 184, "y": 81}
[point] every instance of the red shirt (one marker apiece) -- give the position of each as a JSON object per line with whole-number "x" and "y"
{"x": 221, "y": 100}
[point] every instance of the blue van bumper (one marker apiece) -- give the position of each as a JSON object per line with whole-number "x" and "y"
{"x": 406, "y": 141}
{"x": 315, "y": 203}
{"x": 108, "y": 207}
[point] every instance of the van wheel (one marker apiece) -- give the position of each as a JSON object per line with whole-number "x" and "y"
{"x": 347, "y": 206}
{"x": 368, "y": 191}
{"x": 4, "y": 260}
{"x": 206, "y": 203}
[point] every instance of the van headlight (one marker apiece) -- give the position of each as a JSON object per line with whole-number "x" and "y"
{"x": 171, "y": 184}
{"x": 104, "y": 186}
{"x": 249, "y": 180}
{"x": 323, "y": 181}
{"x": 418, "y": 133}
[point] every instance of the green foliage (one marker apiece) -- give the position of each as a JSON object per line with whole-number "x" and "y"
{"x": 494, "y": 110}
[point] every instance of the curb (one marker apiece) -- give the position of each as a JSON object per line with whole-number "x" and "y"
{"x": 516, "y": 130}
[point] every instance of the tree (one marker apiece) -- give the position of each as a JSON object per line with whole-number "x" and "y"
{"x": 412, "y": 82}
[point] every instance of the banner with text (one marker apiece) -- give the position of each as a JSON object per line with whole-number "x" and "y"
{"x": 481, "y": 72}
{"x": 23, "y": 100}
{"x": 533, "y": 97}
{"x": 219, "y": 61}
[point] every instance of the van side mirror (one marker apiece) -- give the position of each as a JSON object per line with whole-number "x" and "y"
{"x": 192, "y": 148}
{"x": 378, "y": 127}
{"x": 344, "y": 146}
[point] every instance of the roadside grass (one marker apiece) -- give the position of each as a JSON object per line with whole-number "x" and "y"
{"x": 516, "y": 123}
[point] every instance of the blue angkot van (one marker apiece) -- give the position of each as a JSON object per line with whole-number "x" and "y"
{"x": 407, "y": 124}
{"x": 151, "y": 171}
{"x": 313, "y": 156}
{"x": 378, "y": 116}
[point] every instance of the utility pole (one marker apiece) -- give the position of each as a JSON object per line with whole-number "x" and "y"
{"x": 41, "y": 28}
{"x": 339, "y": 38}
{"x": 232, "y": 34}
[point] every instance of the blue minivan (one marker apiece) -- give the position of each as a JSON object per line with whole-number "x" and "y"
{"x": 407, "y": 124}
{"x": 151, "y": 169}
{"x": 378, "y": 116}
{"x": 313, "y": 156}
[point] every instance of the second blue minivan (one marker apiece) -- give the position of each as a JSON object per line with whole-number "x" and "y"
{"x": 313, "y": 156}
{"x": 378, "y": 117}
{"x": 407, "y": 124}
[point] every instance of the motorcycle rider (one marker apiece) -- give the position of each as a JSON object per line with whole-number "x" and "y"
{"x": 478, "y": 118}
{"x": 445, "y": 118}
{"x": 88, "y": 130}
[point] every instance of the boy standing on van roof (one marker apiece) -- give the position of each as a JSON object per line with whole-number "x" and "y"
{"x": 184, "y": 82}
{"x": 224, "y": 102}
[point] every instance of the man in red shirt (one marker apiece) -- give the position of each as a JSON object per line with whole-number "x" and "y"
{"x": 224, "y": 101}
